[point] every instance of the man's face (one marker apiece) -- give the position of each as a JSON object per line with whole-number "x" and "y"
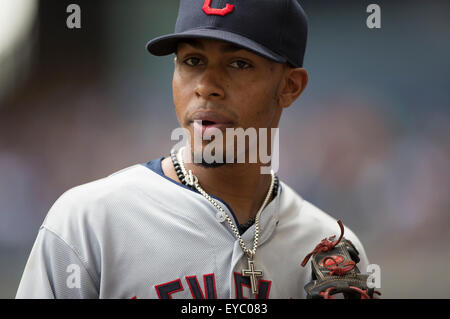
{"x": 224, "y": 86}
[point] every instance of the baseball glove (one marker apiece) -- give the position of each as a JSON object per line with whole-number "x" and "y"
{"x": 334, "y": 270}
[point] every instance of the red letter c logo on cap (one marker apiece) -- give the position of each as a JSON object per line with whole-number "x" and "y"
{"x": 219, "y": 12}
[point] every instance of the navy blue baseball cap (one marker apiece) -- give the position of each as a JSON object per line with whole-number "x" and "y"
{"x": 274, "y": 29}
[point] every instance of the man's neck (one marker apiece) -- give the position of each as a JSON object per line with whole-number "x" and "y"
{"x": 241, "y": 186}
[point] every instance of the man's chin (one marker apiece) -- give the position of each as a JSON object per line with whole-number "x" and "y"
{"x": 209, "y": 162}
{"x": 204, "y": 164}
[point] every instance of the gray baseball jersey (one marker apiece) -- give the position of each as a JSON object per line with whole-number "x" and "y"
{"x": 139, "y": 234}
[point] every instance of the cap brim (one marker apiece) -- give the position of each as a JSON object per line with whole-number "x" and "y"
{"x": 168, "y": 44}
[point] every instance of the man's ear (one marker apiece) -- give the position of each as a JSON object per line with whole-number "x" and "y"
{"x": 294, "y": 83}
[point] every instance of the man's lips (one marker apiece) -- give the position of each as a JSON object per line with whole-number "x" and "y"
{"x": 207, "y": 129}
{"x": 210, "y": 116}
{"x": 206, "y": 123}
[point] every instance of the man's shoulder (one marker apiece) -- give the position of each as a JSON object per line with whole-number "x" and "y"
{"x": 309, "y": 220}
{"x": 295, "y": 208}
{"x": 111, "y": 185}
{"x": 79, "y": 203}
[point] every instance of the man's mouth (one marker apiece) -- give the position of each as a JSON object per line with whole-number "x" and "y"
{"x": 207, "y": 123}
{"x": 209, "y": 128}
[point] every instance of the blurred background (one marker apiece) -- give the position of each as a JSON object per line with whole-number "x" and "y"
{"x": 367, "y": 142}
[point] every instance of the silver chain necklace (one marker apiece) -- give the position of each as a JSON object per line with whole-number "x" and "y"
{"x": 251, "y": 272}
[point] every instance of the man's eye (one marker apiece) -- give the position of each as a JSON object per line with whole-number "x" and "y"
{"x": 192, "y": 61}
{"x": 239, "y": 64}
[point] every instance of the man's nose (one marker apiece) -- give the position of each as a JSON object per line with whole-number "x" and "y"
{"x": 210, "y": 85}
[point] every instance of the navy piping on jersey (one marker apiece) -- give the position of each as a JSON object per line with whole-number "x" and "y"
{"x": 156, "y": 167}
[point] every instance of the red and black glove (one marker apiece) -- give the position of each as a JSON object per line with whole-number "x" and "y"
{"x": 335, "y": 271}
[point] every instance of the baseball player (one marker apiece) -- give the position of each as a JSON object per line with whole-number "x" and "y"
{"x": 176, "y": 229}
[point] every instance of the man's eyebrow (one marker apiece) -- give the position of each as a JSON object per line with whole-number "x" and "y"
{"x": 227, "y": 47}
{"x": 230, "y": 48}
{"x": 193, "y": 43}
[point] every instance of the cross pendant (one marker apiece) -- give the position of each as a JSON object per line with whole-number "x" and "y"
{"x": 252, "y": 273}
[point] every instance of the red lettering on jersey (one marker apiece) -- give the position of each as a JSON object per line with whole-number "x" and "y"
{"x": 166, "y": 290}
{"x": 219, "y": 12}
{"x": 209, "y": 283}
{"x": 263, "y": 289}
{"x": 242, "y": 281}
